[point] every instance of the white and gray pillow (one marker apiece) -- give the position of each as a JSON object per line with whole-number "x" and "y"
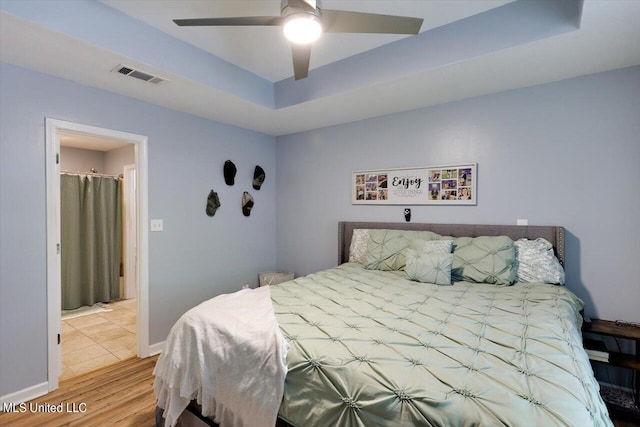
{"x": 358, "y": 248}
{"x": 537, "y": 263}
{"x": 438, "y": 246}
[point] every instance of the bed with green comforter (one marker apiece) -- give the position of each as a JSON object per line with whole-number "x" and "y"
{"x": 372, "y": 348}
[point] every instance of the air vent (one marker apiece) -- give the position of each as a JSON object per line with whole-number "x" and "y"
{"x": 124, "y": 70}
{"x": 132, "y": 72}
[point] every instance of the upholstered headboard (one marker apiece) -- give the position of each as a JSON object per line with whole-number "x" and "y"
{"x": 553, "y": 234}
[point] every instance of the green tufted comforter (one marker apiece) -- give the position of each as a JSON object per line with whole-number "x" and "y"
{"x": 370, "y": 348}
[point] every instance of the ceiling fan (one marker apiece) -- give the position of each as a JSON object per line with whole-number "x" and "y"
{"x": 303, "y": 21}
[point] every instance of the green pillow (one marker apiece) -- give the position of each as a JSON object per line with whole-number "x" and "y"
{"x": 485, "y": 259}
{"x": 429, "y": 267}
{"x": 385, "y": 248}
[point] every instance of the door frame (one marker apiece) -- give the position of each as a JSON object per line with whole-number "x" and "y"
{"x": 129, "y": 235}
{"x": 54, "y": 287}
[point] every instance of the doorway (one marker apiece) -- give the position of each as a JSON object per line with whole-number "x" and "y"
{"x": 120, "y": 313}
{"x": 98, "y": 284}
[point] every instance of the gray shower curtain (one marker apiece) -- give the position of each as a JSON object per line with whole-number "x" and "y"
{"x": 91, "y": 228}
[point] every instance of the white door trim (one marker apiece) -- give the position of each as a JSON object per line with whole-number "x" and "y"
{"x": 129, "y": 242}
{"x": 52, "y": 135}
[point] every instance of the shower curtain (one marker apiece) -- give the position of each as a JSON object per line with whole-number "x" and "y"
{"x": 91, "y": 228}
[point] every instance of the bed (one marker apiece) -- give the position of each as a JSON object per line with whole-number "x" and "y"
{"x": 369, "y": 347}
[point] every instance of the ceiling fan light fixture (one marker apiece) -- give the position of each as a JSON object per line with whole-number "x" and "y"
{"x": 304, "y": 21}
{"x": 302, "y": 28}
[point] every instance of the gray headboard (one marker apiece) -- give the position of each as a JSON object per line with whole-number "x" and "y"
{"x": 553, "y": 234}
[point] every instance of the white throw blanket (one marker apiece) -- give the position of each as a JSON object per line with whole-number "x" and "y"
{"x": 229, "y": 354}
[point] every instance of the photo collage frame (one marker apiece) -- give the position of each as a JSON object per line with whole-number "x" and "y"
{"x": 434, "y": 185}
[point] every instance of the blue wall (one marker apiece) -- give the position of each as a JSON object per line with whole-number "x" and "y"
{"x": 565, "y": 153}
{"x": 195, "y": 258}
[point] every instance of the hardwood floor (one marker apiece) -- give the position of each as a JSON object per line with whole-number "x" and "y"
{"x": 117, "y": 395}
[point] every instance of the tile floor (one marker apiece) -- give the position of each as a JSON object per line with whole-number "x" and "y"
{"x": 100, "y": 339}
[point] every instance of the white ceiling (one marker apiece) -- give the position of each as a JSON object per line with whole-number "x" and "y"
{"x": 90, "y": 142}
{"x": 607, "y": 39}
{"x": 264, "y": 50}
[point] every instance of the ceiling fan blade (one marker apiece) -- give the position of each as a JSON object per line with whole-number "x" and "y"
{"x": 340, "y": 21}
{"x": 301, "y": 56}
{"x": 233, "y": 21}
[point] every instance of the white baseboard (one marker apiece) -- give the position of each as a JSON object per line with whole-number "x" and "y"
{"x": 156, "y": 348}
{"x": 38, "y": 390}
{"x": 25, "y": 395}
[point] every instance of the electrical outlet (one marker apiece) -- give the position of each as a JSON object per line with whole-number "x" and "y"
{"x": 157, "y": 225}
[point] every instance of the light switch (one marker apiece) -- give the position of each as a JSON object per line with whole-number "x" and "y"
{"x": 522, "y": 222}
{"x": 157, "y": 225}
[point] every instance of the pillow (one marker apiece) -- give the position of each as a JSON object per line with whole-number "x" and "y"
{"x": 358, "y": 248}
{"x": 485, "y": 259}
{"x": 439, "y": 246}
{"x": 536, "y": 262}
{"x": 385, "y": 248}
{"x": 429, "y": 267}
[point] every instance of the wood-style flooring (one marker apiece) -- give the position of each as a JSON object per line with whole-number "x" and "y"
{"x": 117, "y": 395}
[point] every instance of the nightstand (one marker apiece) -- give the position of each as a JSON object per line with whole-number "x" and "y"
{"x": 632, "y": 361}
{"x": 268, "y": 278}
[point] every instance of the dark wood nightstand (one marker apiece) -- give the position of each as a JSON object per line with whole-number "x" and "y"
{"x": 632, "y": 361}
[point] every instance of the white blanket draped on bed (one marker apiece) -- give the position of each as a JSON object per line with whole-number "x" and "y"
{"x": 229, "y": 354}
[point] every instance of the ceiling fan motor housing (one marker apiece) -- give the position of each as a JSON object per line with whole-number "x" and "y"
{"x": 294, "y": 7}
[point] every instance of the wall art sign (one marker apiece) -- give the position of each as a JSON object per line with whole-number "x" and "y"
{"x": 433, "y": 185}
